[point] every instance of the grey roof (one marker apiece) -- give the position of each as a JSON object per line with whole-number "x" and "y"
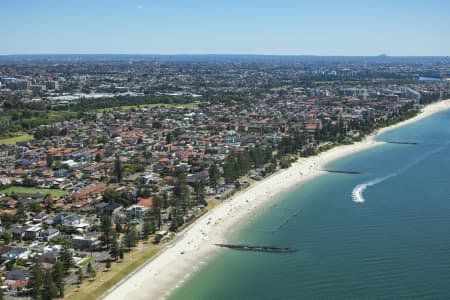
{"x": 17, "y": 274}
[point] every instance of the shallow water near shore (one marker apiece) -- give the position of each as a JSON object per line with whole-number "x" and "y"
{"x": 384, "y": 234}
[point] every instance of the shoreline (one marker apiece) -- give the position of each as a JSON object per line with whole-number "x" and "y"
{"x": 194, "y": 246}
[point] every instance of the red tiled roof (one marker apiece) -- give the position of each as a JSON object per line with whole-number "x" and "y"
{"x": 146, "y": 202}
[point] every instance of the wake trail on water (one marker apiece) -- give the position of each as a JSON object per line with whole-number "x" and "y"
{"x": 358, "y": 191}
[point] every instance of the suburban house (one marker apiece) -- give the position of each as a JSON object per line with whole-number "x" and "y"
{"x": 113, "y": 210}
{"x": 31, "y": 233}
{"x": 17, "y": 280}
{"x": 49, "y": 234}
{"x": 136, "y": 211}
{"x": 17, "y": 253}
{"x": 69, "y": 220}
{"x": 87, "y": 242}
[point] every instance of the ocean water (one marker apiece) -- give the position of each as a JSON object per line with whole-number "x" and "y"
{"x": 384, "y": 234}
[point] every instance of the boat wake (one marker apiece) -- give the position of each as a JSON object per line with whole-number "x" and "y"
{"x": 357, "y": 192}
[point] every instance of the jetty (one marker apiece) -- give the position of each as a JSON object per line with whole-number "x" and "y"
{"x": 401, "y": 143}
{"x": 272, "y": 249}
{"x": 343, "y": 171}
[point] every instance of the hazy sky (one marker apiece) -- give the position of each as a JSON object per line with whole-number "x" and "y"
{"x": 320, "y": 27}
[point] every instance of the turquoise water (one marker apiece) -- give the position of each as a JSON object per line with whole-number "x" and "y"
{"x": 394, "y": 245}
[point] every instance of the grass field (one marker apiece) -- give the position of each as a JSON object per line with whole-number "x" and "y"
{"x": 85, "y": 261}
{"x": 21, "y": 189}
{"x": 212, "y": 203}
{"x": 93, "y": 289}
{"x": 127, "y": 107}
{"x": 20, "y": 138}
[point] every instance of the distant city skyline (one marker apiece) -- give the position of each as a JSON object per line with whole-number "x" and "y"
{"x": 264, "y": 27}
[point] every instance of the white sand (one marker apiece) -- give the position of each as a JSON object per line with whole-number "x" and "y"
{"x": 195, "y": 245}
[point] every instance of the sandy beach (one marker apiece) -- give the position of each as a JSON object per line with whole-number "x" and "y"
{"x": 192, "y": 247}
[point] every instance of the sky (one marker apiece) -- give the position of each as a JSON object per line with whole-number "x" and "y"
{"x": 276, "y": 27}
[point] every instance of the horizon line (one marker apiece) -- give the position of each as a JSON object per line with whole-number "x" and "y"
{"x": 223, "y": 54}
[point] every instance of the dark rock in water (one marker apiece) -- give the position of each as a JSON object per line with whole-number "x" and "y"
{"x": 258, "y": 248}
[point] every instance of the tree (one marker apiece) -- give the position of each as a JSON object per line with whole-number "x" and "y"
{"x": 98, "y": 157}
{"x": 121, "y": 252}
{"x": 257, "y": 156}
{"x": 228, "y": 173}
{"x": 131, "y": 236}
{"x": 156, "y": 210}
{"x": 93, "y": 274}
{"x": 28, "y": 182}
{"x": 21, "y": 215}
{"x": 106, "y": 227}
{"x": 114, "y": 252}
{"x": 147, "y": 154}
{"x": 7, "y": 237}
{"x": 214, "y": 176}
{"x": 118, "y": 169}
{"x": 1, "y": 290}
{"x": 148, "y": 227}
{"x": 199, "y": 190}
{"x": 243, "y": 164}
{"x": 10, "y": 264}
{"x": 118, "y": 227}
{"x": 169, "y": 138}
{"x": 80, "y": 275}
{"x": 89, "y": 269}
{"x": 36, "y": 207}
{"x": 49, "y": 160}
{"x": 108, "y": 263}
{"x": 36, "y": 280}
{"x": 49, "y": 290}
{"x": 111, "y": 196}
{"x": 65, "y": 256}
{"x": 58, "y": 277}
{"x": 177, "y": 220}
{"x": 48, "y": 199}
{"x": 181, "y": 191}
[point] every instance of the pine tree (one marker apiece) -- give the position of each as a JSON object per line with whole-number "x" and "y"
{"x": 181, "y": 191}
{"x": 66, "y": 256}
{"x": 228, "y": 173}
{"x": 121, "y": 252}
{"x": 36, "y": 281}
{"x": 106, "y": 225}
{"x": 80, "y": 275}
{"x": 118, "y": 169}
{"x": 108, "y": 263}
{"x": 177, "y": 220}
{"x": 131, "y": 236}
{"x": 148, "y": 226}
{"x": 49, "y": 290}
{"x": 118, "y": 227}
{"x": 156, "y": 211}
{"x": 243, "y": 163}
{"x": 1, "y": 290}
{"x": 58, "y": 277}
{"x": 114, "y": 251}
{"x": 214, "y": 176}
{"x": 49, "y": 160}
{"x": 199, "y": 190}
{"x": 89, "y": 269}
